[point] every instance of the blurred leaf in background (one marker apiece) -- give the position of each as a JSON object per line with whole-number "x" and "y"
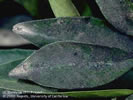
{"x": 37, "y": 8}
{"x": 1, "y": 1}
{"x": 31, "y": 6}
{"x": 83, "y": 7}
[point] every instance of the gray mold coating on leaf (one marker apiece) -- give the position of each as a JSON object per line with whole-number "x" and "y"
{"x": 71, "y": 65}
{"x": 80, "y": 29}
{"x": 118, "y": 13}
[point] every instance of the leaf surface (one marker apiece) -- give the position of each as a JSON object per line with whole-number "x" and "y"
{"x": 128, "y": 76}
{"x": 16, "y": 85}
{"x": 81, "y": 29}
{"x": 118, "y": 13}
{"x": 13, "y": 55}
{"x": 72, "y": 65}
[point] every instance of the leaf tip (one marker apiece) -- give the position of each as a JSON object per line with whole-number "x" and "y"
{"x": 18, "y": 72}
{"x": 17, "y": 28}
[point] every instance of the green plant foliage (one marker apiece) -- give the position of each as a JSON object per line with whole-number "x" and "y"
{"x": 1, "y": 1}
{"x": 88, "y": 94}
{"x": 81, "y": 29}
{"x": 116, "y": 12}
{"x": 4, "y": 68}
{"x": 31, "y": 6}
{"x": 100, "y": 93}
{"x": 7, "y": 56}
{"x": 1, "y": 90}
{"x": 128, "y": 76}
{"x": 83, "y": 7}
{"x": 63, "y": 8}
{"x": 83, "y": 52}
{"x": 87, "y": 11}
{"x": 72, "y": 65}
{"x": 130, "y": 5}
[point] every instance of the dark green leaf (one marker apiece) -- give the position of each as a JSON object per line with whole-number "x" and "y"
{"x": 86, "y": 11}
{"x": 118, "y": 13}
{"x": 83, "y": 7}
{"x": 1, "y": 94}
{"x": 128, "y": 76}
{"x": 7, "y": 57}
{"x": 95, "y": 93}
{"x": 10, "y": 55}
{"x": 31, "y": 6}
{"x": 99, "y": 93}
{"x": 5, "y": 68}
{"x": 82, "y": 29}
{"x": 1, "y": 1}
{"x": 88, "y": 94}
{"x": 71, "y": 65}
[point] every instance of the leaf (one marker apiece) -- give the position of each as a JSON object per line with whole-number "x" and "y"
{"x": 86, "y": 11}
{"x": 91, "y": 94}
{"x": 11, "y": 55}
{"x": 81, "y": 29}
{"x": 19, "y": 86}
{"x": 99, "y": 93}
{"x": 5, "y": 68}
{"x": 129, "y": 97}
{"x": 9, "y": 59}
{"x": 31, "y": 6}
{"x": 71, "y": 65}
{"x": 7, "y": 83}
{"x": 1, "y": 1}
{"x": 117, "y": 12}
{"x": 83, "y": 7}
{"x": 1, "y": 94}
{"x": 16, "y": 85}
{"x": 128, "y": 76}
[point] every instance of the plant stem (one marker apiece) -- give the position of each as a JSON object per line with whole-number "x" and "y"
{"x": 63, "y": 8}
